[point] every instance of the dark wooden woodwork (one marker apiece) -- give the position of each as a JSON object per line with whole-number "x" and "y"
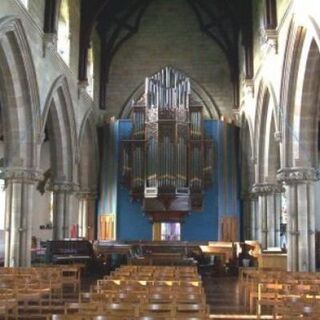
{"x": 167, "y": 162}
{"x": 69, "y": 251}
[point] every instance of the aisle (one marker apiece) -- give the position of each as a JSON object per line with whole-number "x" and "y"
{"x": 223, "y": 296}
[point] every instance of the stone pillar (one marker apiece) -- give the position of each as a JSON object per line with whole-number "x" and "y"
{"x": 246, "y": 216}
{"x": 87, "y": 214}
{"x": 249, "y": 201}
{"x": 20, "y": 188}
{"x": 254, "y": 212}
{"x": 301, "y": 216}
{"x": 269, "y": 213}
{"x": 63, "y": 217}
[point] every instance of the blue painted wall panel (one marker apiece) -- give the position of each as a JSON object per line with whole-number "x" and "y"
{"x": 131, "y": 223}
{"x": 220, "y": 199}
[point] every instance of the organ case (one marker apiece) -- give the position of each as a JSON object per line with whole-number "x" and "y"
{"x": 167, "y": 162}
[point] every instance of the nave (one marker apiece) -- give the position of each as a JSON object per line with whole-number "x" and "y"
{"x": 64, "y": 292}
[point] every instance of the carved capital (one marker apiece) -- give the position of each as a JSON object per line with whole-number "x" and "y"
{"x": 248, "y": 85}
{"x": 67, "y": 187}
{"x": 82, "y": 87}
{"x": 249, "y": 196}
{"x": 87, "y": 194}
{"x": 269, "y": 37}
{"x": 298, "y": 175}
{"x": 266, "y": 188}
{"x": 49, "y": 42}
{"x": 278, "y": 136}
{"x": 22, "y": 175}
{"x": 253, "y": 160}
{"x": 236, "y": 117}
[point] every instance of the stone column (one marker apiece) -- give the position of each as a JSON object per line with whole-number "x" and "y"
{"x": 254, "y": 212}
{"x": 87, "y": 214}
{"x": 269, "y": 212}
{"x": 63, "y": 218}
{"x": 301, "y": 216}
{"x": 249, "y": 201}
{"x": 20, "y": 188}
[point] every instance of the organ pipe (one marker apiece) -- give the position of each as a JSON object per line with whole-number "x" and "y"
{"x": 168, "y": 152}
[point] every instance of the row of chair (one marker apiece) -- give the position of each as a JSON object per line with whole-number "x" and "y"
{"x": 124, "y": 293}
{"x": 272, "y": 290}
{"x": 25, "y": 292}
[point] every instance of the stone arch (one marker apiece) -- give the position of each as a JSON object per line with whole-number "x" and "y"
{"x": 300, "y": 76}
{"x": 247, "y": 153}
{"x": 88, "y": 153}
{"x": 88, "y": 176}
{"x": 247, "y": 177}
{"x": 266, "y": 129}
{"x": 305, "y": 115}
{"x": 211, "y": 109}
{"x": 301, "y": 103}
{"x": 58, "y": 115}
{"x": 18, "y": 95}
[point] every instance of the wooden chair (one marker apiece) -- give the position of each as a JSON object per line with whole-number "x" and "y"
{"x": 187, "y": 298}
{"x": 83, "y": 308}
{"x": 160, "y": 298}
{"x": 183, "y": 310}
{"x": 8, "y": 306}
{"x": 123, "y": 310}
{"x": 70, "y": 277}
{"x": 75, "y": 316}
{"x": 157, "y": 309}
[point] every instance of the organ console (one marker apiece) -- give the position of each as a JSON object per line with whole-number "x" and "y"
{"x": 167, "y": 162}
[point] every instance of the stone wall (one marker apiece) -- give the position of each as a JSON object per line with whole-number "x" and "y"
{"x": 169, "y": 34}
{"x": 48, "y": 67}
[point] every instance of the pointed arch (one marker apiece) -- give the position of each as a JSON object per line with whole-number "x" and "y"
{"x": 58, "y": 115}
{"x": 211, "y": 108}
{"x": 88, "y": 153}
{"x": 300, "y": 93}
{"x": 247, "y": 153}
{"x": 18, "y": 95}
{"x": 266, "y": 125}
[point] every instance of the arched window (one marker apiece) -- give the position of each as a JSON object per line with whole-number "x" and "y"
{"x": 90, "y": 70}
{"x": 63, "y": 44}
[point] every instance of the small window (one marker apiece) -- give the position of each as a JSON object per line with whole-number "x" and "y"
{"x": 90, "y": 71}
{"x": 63, "y": 45}
{"x": 170, "y": 231}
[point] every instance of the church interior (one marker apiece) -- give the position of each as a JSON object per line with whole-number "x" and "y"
{"x": 159, "y": 159}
